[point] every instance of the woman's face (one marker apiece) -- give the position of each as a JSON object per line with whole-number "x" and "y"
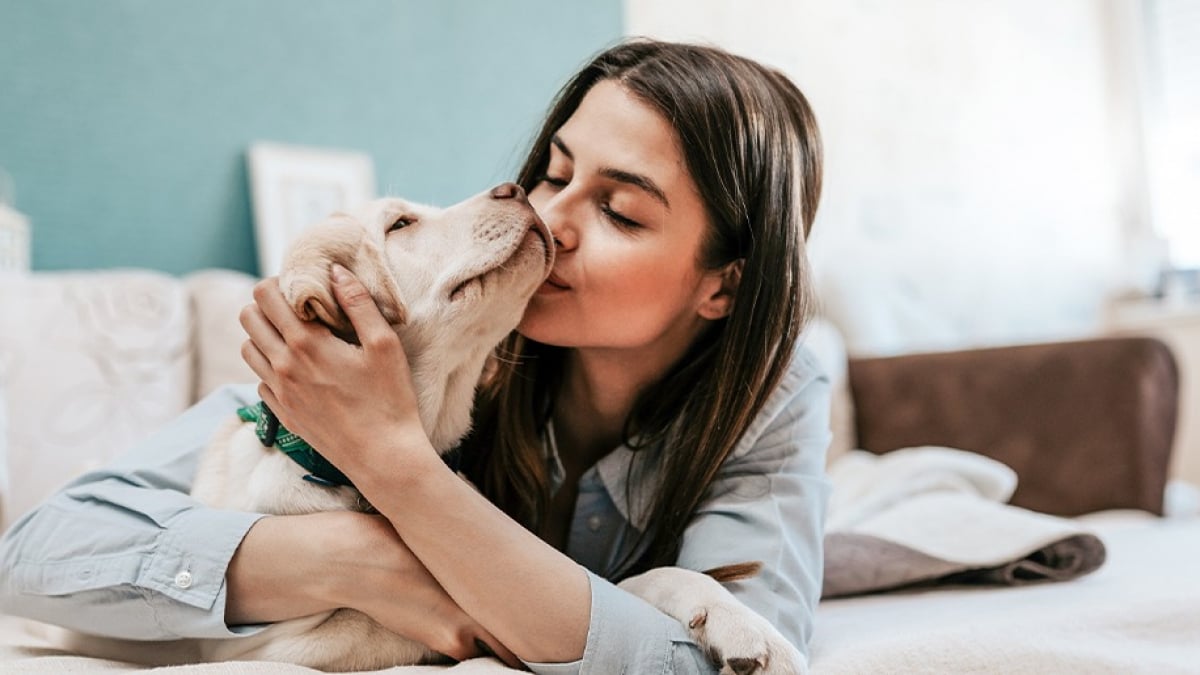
{"x": 619, "y": 198}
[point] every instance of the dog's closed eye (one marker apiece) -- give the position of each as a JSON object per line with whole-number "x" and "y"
{"x": 401, "y": 223}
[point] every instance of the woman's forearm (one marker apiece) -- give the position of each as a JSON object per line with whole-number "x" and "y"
{"x": 283, "y": 569}
{"x": 530, "y": 596}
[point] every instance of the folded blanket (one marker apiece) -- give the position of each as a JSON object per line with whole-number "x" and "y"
{"x": 930, "y": 515}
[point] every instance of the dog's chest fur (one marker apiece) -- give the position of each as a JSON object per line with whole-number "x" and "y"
{"x": 238, "y": 472}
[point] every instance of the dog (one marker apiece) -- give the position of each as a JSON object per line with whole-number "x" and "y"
{"x": 452, "y": 283}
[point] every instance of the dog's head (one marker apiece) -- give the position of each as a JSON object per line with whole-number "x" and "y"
{"x": 451, "y": 282}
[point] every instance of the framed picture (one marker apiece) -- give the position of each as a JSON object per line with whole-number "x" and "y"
{"x": 293, "y": 187}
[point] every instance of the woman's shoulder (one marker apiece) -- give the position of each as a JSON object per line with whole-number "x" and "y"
{"x": 798, "y": 406}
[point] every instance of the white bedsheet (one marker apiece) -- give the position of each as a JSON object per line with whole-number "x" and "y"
{"x": 1139, "y": 613}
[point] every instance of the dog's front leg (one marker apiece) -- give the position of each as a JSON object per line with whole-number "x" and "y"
{"x": 736, "y": 638}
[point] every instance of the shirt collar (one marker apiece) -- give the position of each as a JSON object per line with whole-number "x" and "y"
{"x": 629, "y": 477}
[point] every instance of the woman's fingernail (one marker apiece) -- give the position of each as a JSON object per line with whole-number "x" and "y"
{"x": 338, "y": 273}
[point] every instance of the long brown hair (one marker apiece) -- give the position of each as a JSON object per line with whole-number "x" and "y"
{"x": 751, "y": 145}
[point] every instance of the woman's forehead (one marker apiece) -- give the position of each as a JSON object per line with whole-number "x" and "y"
{"x": 612, "y": 128}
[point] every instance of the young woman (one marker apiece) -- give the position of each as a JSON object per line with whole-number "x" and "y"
{"x": 653, "y": 408}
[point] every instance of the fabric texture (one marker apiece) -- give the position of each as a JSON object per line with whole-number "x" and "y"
{"x": 924, "y": 516}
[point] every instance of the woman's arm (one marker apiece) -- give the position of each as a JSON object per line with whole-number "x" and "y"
{"x": 124, "y": 551}
{"x": 290, "y": 566}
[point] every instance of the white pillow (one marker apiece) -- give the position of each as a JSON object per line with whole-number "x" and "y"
{"x": 93, "y": 362}
{"x": 217, "y": 297}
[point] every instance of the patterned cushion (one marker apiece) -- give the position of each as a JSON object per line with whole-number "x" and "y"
{"x": 91, "y": 362}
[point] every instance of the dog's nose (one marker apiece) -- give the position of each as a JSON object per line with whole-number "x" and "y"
{"x": 508, "y": 191}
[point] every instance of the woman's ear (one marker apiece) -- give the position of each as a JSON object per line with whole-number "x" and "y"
{"x": 718, "y": 289}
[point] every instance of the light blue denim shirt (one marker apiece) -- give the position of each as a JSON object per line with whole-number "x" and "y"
{"x": 125, "y": 551}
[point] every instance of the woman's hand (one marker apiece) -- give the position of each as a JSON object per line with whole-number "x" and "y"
{"x": 291, "y": 566}
{"x": 354, "y": 404}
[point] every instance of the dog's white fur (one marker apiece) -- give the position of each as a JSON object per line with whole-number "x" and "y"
{"x": 452, "y": 283}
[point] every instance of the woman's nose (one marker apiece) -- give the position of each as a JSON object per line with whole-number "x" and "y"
{"x": 556, "y": 214}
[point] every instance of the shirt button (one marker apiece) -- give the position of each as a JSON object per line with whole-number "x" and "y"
{"x": 183, "y": 579}
{"x": 594, "y": 523}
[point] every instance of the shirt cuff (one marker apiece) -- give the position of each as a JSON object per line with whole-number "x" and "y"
{"x": 194, "y": 576}
{"x": 627, "y": 634}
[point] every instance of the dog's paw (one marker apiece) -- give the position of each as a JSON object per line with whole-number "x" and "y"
{"x": 741, "y": 642}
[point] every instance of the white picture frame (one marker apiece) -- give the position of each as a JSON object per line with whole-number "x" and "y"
{"x": 293, "y": 187}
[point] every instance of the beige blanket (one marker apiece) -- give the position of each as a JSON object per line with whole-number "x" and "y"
{"x": 936, "y": 515}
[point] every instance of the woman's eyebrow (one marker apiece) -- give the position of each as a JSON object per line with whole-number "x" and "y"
{"x": 635, "y": 179}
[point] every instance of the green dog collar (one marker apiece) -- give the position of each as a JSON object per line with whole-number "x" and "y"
{"x": 271, "y": 433}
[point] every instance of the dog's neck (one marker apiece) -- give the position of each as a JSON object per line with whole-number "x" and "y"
{"x": 445, "y": 394}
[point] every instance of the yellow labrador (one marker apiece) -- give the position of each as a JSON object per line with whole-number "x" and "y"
{"x": 452, "y": 282}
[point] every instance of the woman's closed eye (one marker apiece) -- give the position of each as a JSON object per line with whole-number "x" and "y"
{"x": 622, "y": 221}
{"x": 553, "y": 180}
{"x": 614, "y": 216}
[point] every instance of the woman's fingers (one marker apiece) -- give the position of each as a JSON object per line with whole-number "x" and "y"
{"x": 355, "y": 300}
{"x": 277, "y": 312}
{"x": 257, "y": 361}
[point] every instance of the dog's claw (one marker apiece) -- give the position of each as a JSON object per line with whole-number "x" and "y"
{"x": 698, "y": 620}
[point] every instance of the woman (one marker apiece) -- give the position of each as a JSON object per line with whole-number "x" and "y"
{"x": 651, "y": 409}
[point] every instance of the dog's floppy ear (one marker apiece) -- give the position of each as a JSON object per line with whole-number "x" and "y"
{"x": 371, "y": 268}
{"x": 306, "y": 283}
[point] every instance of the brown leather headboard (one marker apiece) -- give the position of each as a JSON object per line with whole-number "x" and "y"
{"x": 1086, "y": 425}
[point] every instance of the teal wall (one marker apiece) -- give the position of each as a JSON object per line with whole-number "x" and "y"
{"x": 124, "y": 123}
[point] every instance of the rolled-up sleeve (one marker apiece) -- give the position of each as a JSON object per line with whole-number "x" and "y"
{"x": 626, "y": 634}
{"x": 125, "y": 551}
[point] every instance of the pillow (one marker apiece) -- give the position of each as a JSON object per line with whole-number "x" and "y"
{"x": 217, "y": 297}
{"x": 93, "y": 362}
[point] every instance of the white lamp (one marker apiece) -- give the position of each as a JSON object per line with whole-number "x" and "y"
{"x": 14, "y": 230}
